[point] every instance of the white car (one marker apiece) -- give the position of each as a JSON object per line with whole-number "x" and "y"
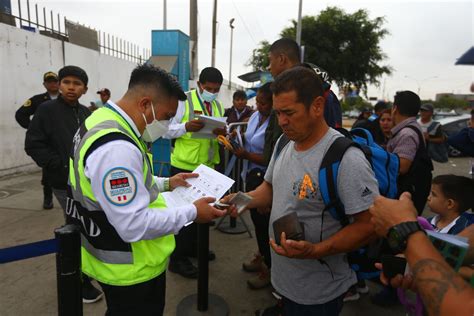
{"x": 451, "y": 126}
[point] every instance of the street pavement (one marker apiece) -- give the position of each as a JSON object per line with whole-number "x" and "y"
{"x": 28, "y": 287}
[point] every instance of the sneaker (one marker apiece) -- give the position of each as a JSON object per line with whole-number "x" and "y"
{"x": 386, "y": 297}
{"x": 276, "y": 310}
{"x": 255, "y": 265}
{"x": 351, "y": 295}
{"x": 361, "y": 287}
{"x": 261, "y": 280}
{"x": 90, "y": 294}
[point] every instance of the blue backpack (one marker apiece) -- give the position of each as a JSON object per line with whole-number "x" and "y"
{"x": 384, "y": 164}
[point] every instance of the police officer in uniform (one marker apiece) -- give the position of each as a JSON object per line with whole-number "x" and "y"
{"x": 127, "y": 226}
{"x": 23, "y": 117}
{"x": 190, "y": 152}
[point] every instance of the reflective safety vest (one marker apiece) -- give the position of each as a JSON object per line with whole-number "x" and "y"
{"x": 106, "y": 257}
{"x": 190, "y": 152}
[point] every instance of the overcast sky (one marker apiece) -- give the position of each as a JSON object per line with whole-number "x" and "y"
{"x": 426, "y": 37}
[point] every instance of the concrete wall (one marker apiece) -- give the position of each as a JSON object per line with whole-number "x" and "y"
{"x": 24, "y": 58}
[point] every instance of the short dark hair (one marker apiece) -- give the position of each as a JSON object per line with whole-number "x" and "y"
{"x": 239, "y": 94}
{"x": 305, "y": 82}
{"x": 380, "y": 106}
{"x": 266, "y": 91}
{"x": 458, "y": 188}
{"x": 407, "y": 102}
{"x": 73, "y": 71}
{"x": 288, "y": 47}
{"x": 211, "y": 74}
{"x": 150, "y": 76}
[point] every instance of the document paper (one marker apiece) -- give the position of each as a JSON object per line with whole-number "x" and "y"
{"x": 210, "y": 123}
{"x": 210, "y": 183}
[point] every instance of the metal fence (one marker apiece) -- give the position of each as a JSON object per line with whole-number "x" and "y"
{"x": 36, "y": 19}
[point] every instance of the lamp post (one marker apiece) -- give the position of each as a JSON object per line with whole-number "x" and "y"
{"x": 164, "y": 14}
{"x": 214, "y": 23}
{"x": 419, "y": 82}
{"x": 230, "y": 59}
{"x": 299, "y": 25}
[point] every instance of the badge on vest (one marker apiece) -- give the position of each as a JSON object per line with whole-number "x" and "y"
{"x": 119, "y": 186}
{"x": 197, "y": 112}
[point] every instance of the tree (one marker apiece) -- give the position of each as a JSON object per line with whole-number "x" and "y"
{"x": 448, "y": 102}
{"x": 259, "y": 59}
{"x": 357, "y": 103}
{"x": 346, "y": 45}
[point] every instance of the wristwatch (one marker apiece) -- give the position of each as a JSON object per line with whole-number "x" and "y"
{"x": 397, "y": 236}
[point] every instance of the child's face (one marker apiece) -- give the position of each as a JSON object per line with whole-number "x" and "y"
{"x": 437, "y": 202}
{"x": 72, "y": 88}
{"x": 240, "y": 103}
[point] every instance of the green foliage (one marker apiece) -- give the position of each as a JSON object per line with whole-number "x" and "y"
{"x": 448, "y": 102}
{"x": 259, "y": 59}
{"x": 357, "y": 103}
{"x": 346, "y": 45}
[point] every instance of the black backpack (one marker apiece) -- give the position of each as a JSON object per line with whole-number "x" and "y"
{"x": 417, "y": 180}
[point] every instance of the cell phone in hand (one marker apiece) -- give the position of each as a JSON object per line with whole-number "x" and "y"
{"x": 290, "y": 225}
{"x": 393, "y": 265}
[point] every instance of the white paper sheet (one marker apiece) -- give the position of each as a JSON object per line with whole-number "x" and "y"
{"x": 210, "y": 123}
{"x": 210, "y": 183}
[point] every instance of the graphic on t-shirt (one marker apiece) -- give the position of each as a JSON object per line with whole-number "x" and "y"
{"x": 366, "y": 192}
{"x": 305, "y": 188}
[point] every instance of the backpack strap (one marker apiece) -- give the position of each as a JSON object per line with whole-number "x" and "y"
{"x": 328, "y": 172}
{"x": 282, "y": 142}
{"x": 365, "y": 134}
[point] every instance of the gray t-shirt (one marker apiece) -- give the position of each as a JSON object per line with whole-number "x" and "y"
{"x": 307, "y": 281}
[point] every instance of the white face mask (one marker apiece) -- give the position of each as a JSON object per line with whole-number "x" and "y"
{"x": 207, "y": 96}
{"x": 155, "y": 129}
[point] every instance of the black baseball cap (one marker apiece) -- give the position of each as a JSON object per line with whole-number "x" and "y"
{"x": 427, "y": 107}
{"x": 104, "y": 91}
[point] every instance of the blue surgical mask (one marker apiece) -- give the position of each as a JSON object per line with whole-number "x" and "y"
{"x": 207, "y": 96}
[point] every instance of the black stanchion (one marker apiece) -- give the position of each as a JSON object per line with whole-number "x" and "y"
{"x": 203, "y": 303}
{"x": 232, "y": 226}
{"x": 68, "y": 271}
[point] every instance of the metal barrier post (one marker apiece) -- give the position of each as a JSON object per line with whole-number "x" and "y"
{"x": 228, "y": 224}
{"x": 68, "y": 271}
{"x": 203, "y": 303}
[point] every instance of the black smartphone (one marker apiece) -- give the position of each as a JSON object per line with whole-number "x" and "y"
{"x": 290, "y": 225}
{"x": 393, "y": 265}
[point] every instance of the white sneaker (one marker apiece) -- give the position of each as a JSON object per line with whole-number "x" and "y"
{"x": 363, "y": 290}
{"x": 351, "y": 295}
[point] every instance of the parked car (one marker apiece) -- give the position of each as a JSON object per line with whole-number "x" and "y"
{"x": 452, "y": 125}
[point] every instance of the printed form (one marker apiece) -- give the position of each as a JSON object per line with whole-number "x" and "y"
{"x": 210, "y": 183}
{"x": 210, "y": 123}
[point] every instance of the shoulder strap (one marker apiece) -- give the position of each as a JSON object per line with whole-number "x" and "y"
{"x": 433, "y": 126}
{"x": 420, "y": 136}
{"x": 281, "y": 144}
{"x": 105, "y": 139}
{"x": 328, "y": 172}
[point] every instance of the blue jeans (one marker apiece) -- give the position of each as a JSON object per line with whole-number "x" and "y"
{"x": 331, "y": 308}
